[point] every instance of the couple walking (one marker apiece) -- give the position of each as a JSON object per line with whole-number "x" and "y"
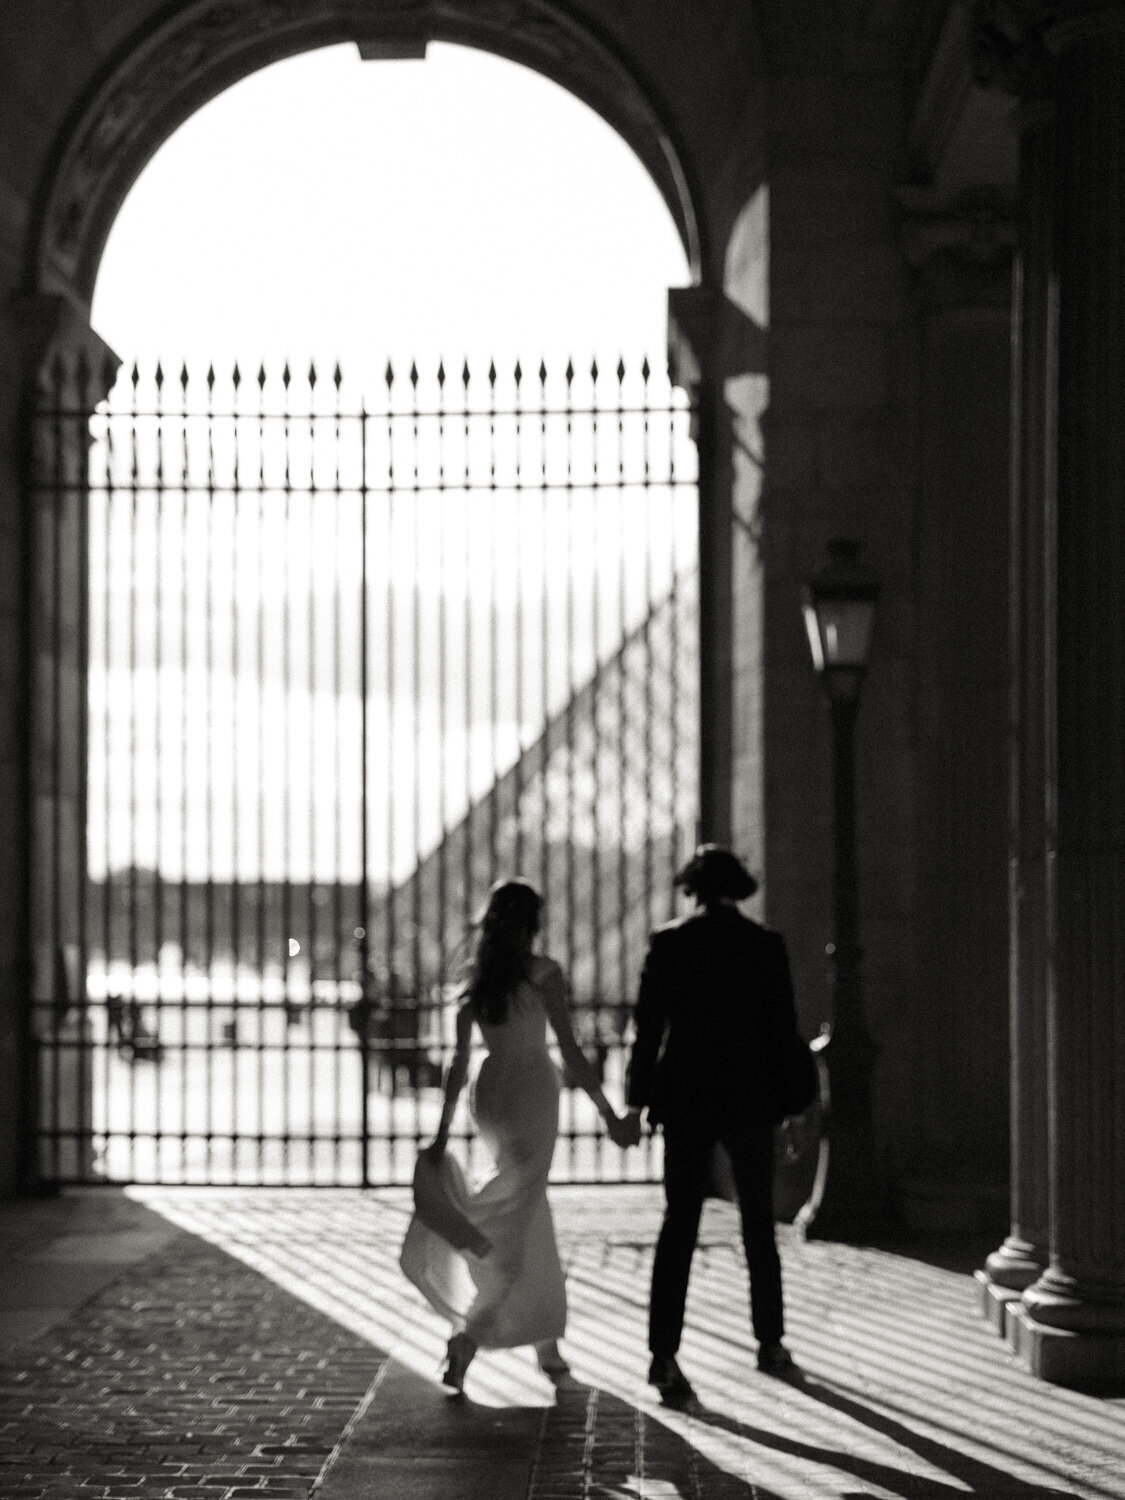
{"x": 714, "y": 1016}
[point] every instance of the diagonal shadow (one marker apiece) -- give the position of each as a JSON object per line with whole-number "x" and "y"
{"x": 590, "y": 1445}
{"x": 341, "y": 1258}
{"x": 965, "y": 1472}
{"x": 184, "y": 1361}
{"x": 414, "y": 1439}
{"x": 595, "y": 1444}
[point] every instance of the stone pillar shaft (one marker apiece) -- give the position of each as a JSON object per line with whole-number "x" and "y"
{"x": 716, "y": 610}
{"x": 66, "y": 370}
{"x": 1083, "y": 1288}
{"x": 1023, "y": 1254}
{"x": 711, "y": 340}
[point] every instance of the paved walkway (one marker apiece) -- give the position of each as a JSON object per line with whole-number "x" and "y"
{"x": 230, "y": 1343}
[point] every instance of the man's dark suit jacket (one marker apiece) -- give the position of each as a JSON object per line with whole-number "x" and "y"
{"x": 714, "y": 1015}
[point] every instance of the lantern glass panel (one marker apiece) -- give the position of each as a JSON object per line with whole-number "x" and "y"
{"x": 845, "y": 631}
{"x": 812, "y": 630}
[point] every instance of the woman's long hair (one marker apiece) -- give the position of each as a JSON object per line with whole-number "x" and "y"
{"x": 501, "y": 954}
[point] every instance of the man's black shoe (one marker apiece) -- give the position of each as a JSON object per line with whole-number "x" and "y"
{"x": 672, "y": 1384}
{"x": 774, "y": 1359}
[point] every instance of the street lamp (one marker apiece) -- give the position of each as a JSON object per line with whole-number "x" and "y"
{"x": 845, "y": 1202}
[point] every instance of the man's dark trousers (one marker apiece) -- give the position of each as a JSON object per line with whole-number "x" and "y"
{"x": 687, "y": 1175}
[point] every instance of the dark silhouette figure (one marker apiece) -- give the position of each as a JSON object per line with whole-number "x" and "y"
{"x": 715, "y": 1022}
{"x": 135, "y": 1038}
{"x": 510, "y": 1289}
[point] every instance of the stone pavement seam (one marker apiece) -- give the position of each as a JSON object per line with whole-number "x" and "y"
{"x": 190, "y": 1376}
{"x": 274, "y": 1350}
{"x": 350, "y": 1426}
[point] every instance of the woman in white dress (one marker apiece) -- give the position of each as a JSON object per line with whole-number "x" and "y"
{"x": 513, "y": 1292}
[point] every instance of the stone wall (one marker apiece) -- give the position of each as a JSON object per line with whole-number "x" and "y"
{"x": 840, "y": 461}
{"x": 851, "y": 416}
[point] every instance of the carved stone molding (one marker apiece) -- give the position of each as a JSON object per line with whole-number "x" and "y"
{"x": 1015, "y": 42}
{"x": 942, "y": 93}
{"x": 193, "y": 50}
{"x": 1010, "y": 45}
{"x": 961, "y": 248}
{"x": 711, "y": 337}
{"x": 1086, "y": 21}
{"x": 49, "y": 329}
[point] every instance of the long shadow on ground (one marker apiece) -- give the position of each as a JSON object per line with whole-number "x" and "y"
{"x": 188, "y": 1369}
{"x": 967, "y": 1474}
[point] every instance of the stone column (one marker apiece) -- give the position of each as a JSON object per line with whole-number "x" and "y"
{"x": 1071, "y": 1324}
{"x": 711, "y": 340}
{"x": 1023, "y": 1254}
{"x": 66, "y": 370}
{"x": 962, "y": 251}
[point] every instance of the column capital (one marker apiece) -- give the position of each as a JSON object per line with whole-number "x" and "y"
{"x": 1086, "y": 21}
{"x": 59, "y": 350}
{"x": 961, "y": 246}
{"x": 1010, "y": 46}
{"x": 710, "y": 337}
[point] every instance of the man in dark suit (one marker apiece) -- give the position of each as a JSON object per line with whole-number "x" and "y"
{"x": 714, "y": 1018}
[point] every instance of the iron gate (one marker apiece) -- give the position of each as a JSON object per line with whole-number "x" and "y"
{"x": 346, "y": 663}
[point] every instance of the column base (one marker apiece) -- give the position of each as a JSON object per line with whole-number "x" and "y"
{"x": 995, "y": 1302}
{"x": 1061, "y": 1356}
{"x": 1077, "y": 1305}
{"x": 1005, "y": 1275}
{"x": 1016, "y": 1264}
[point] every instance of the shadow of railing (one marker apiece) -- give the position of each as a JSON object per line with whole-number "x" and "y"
{"x": 965, "y": 1473}
{"x": 901, "y": 1390}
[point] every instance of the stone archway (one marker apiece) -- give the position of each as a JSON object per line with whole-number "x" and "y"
{"x": 705, "y": 166}
{"x": 165, "y": 74}
{"x": 184, "y": 59}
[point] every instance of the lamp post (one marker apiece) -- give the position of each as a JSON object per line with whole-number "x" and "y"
{"x": 845, "y": 1202}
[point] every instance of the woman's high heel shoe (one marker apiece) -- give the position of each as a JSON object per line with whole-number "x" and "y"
{"x": 458, "y": 1356}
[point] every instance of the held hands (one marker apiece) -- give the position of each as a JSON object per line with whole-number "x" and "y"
{"x": 624, "y": 1130}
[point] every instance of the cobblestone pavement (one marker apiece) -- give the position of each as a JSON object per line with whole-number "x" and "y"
{"x": 190, "y": 1375}
{"x": 269, "y": 1347}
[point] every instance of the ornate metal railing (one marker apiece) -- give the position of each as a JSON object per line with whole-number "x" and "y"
{"x": 346, "y": 664}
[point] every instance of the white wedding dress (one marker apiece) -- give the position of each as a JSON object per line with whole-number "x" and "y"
{"x": 516, "y": 1293}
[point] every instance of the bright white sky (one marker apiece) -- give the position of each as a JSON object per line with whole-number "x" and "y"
{"x": 327, "y": 207}
{"x": 460, "y": 204}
